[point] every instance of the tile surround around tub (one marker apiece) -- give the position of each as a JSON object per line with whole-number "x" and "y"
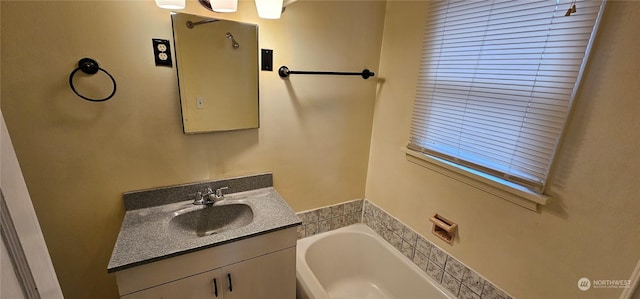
{"x": 450, "y": 273}
{"x": 329, "y": 218}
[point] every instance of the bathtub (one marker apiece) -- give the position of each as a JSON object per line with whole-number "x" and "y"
{"x": 354, "y": 262}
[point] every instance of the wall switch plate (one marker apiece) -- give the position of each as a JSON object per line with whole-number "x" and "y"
{"x": 162, "y": 52}
{"x": 267, "y": 60}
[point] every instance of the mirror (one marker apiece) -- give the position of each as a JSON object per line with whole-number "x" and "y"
{"x": 217, "y": 62}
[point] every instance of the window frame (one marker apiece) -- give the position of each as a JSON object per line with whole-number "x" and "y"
{"x": 490, "y": 183}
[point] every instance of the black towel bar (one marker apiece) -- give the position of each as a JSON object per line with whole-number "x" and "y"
{"x": 284, "y": 72}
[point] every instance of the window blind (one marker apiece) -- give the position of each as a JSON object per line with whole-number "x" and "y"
{"x": 496, "y": 82}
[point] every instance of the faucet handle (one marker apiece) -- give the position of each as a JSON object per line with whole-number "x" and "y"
{"x": 219, "y": 194}
{"x": 198, "y": 198}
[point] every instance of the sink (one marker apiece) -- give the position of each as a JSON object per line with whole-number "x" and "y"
{"x": 204, "y": 221}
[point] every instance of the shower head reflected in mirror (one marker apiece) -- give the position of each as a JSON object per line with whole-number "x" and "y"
{"x": 233, "y": 40}
{"x": 191, "y": 24}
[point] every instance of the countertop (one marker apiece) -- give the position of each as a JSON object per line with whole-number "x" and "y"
{"x": 146, "y": 235}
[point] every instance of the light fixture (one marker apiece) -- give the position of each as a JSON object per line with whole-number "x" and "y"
{"x": 224, "y": 5}
{"x": 170, "y": 4}
{"x": 269, "y": 9}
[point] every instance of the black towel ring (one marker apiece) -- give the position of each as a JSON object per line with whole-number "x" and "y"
{"x": 90, "y": 66}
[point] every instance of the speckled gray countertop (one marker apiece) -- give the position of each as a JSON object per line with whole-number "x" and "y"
{"x": 147, "y": 234}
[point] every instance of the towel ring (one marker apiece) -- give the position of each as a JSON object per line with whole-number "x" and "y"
{"x": 90, "y": 66}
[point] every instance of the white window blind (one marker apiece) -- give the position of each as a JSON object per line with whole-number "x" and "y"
{"x": 496, "y": 82}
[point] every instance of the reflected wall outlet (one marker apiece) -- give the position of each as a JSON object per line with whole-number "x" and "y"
{"x": 162, "y": 52}
{"x": 199, "y": 103}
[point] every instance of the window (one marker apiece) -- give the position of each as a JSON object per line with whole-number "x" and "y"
{"x": 496, "y": 83}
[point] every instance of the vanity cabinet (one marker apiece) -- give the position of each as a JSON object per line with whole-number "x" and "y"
{"x": 262, "y": 277}
{"x": 254, "y": 268}
{"x": 267, "y": 277}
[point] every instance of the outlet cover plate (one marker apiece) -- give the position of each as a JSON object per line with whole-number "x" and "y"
{"x": 162, "y": 52}
{"x": 267, "y": 60}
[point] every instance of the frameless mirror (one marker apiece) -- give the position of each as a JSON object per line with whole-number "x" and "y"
{"x": 217, "y": 62}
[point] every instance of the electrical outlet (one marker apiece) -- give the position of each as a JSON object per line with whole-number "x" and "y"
{"x": 199, "y": 103}
{"x": 162, "y": 52}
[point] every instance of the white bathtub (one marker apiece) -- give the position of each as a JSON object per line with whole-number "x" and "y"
{"x": 354, "y": 262}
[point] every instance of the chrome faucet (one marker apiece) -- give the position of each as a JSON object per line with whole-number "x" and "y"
{"x": 203, "y": 198}
{"x": 219, "y": 195}
{"x": 209, "y": 197}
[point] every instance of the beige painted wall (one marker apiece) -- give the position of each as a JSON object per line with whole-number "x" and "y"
{"x": 79, "y": 157}
{"x": 592, "y": 226}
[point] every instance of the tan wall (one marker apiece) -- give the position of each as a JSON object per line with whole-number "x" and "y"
{"x": 78, "y": 157}
{"x": 590, "y": 229}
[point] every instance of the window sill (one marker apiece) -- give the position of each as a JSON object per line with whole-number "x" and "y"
{"x": 504, "y": 189}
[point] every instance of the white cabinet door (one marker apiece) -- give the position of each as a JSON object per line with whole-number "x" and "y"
{"x": 201, "y": 286}
{"x": 267, "y": 277}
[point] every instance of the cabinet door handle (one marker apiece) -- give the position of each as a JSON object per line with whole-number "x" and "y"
{"x": 230, "y": 283}
{"x": 215, "y": 287}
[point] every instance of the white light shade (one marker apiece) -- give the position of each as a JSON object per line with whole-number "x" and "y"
{"x": 224, "y": 5}
{"x": 269, "y": 9}
{"x": 170, "y": 4}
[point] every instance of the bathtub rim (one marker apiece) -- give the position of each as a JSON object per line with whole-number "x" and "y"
{"x": 311, "y": 285}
